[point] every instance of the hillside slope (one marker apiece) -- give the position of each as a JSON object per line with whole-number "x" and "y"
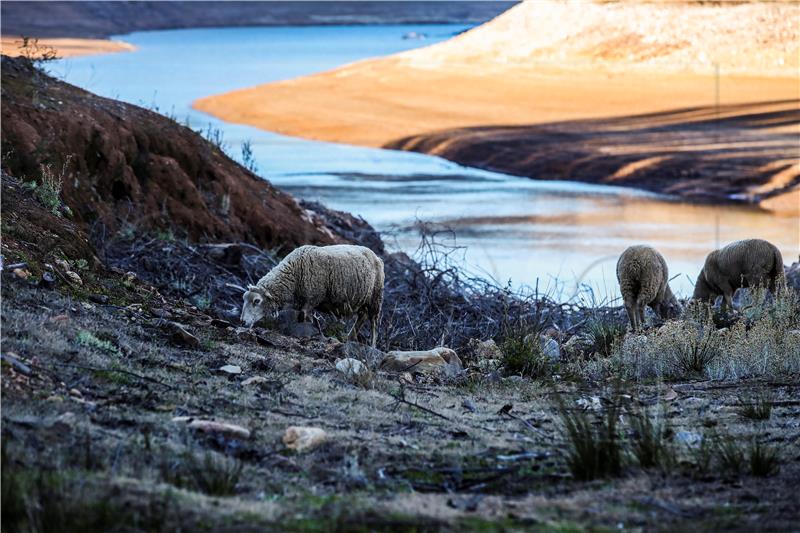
{"x": 122, "y": 165}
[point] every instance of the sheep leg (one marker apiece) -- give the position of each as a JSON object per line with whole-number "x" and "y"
{"x": 354, "y": 332}
{"x": 631, "y": 316}
{"x": 374, "y": 329}
{"x": 640, "y": 315}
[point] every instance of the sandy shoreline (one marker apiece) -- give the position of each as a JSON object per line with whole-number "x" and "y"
{"x": 68, "y": 46}
{"x": 473, "y": 119}
{"x": 647, "y": 93}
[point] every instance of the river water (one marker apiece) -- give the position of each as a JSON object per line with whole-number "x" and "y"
{"x": 563, "y": 237}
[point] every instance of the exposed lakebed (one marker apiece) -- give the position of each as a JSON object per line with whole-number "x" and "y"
{"x": 511, "y": 227}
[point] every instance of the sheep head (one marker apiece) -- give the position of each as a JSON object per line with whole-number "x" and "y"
{"x": 257, "y": 303}
{"x": 703, "y": 290}
{"x": 668, "y": 307}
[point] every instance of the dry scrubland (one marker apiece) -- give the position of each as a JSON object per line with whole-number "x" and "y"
{"x": 133, "y": 401}
{"x": 623, "y": 93}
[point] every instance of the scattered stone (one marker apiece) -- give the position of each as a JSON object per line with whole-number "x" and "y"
{"x": 255, "y": 380}
{"x": 550, "y": 348}
{"x": 21, "y": 273}
{"x": 670, "y": 395}
{"x": 181, "y": 336}
{"x": 12, "y": 360}
{"x": 14, "y": 266}
{"x": 101, "y": 299}
{"x": 469, "y": 405}
{"x": 483, "y": 350}
{"x": 74, "y": 277}
{"x": 62, "y": 264}
{"x": 406, "y": 377}
{"x": 303, "y": 439}
{"x": 231, "y": 369}
{"x": 355, "y": 350}
{"x": 436, "y": 359}
{"x": 351, "y": 367}
{"x": 689, "y": 437}
{"x": 590, "y": 403}
{"x": 76, "y": 393}
{"x": 210, "y": 426}
{"x": 48, "y": 280}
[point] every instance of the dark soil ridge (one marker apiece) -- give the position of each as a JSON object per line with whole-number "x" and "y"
{"x": 128, "y": 166}
{"x": 726, "y": 154}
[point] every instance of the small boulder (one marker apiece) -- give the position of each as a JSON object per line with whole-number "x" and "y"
{"x": 48, "y": 280}
{"x": 351, "y": 367}
{"x": 74, "y": 277}
{"x": 209, "y": 426}
{"x": 303, "y": 439}
{"x": 182, "y": 336}
{"x": 21, "y": 273}
{"x": 550, "y": 348}
{"x": 232, "y": 370}
{"x": 436, "y": 359}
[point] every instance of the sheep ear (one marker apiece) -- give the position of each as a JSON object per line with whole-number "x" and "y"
{"x": 252, "y": 288}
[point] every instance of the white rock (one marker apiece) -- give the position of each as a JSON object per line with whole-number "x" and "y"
{"x": 689, "y": 437}
{"x": 550, "y": 348}
{"x": 231, "y": 369}
{"x": 350, "y": 367}
{"x": 74, "y": 277}
{"x": 302, "y": 438}
{"x": 255, "y": 380}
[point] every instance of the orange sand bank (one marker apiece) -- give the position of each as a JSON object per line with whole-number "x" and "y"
{"x": 66, "y": 47}
{"x": 722, "y": 79}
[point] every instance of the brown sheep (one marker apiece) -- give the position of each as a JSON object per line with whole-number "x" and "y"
{"x": 644, "y": 280}
{"x": 747, "y": 263}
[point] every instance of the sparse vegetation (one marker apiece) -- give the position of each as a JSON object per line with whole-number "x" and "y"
{"x": 759, "y": 407}
{"x": 87, "y": 338}
{"x": 211, "y": 474}
{"x": 594, "y": 449}
{"x": 248, "y": 158}
{"x": 652, "y": 440}
{"x": 47, "y": 189}
{"x": 763, "y": 459}
{"x": 604, "y": 332}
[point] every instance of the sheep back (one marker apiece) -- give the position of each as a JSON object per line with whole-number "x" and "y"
{"x": 340, "y": 279}
{"x": 643, "y": 275}
{"x": 744, "y": 263}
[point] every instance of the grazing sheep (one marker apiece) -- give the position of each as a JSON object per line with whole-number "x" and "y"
{"x": 341, "y": 279}
{"x": 747, "y": 263}
{"x": 644, "y": 280}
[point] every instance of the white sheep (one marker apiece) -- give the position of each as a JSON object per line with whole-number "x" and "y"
{"x": 342, "y": 279}
{"x": 644, "y": 280}
{"x": 746, "y": 263}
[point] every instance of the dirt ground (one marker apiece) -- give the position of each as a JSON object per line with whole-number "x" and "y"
{"x": 100, "y": 389}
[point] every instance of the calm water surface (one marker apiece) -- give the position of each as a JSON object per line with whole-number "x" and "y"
{"x": 560, "y": 234}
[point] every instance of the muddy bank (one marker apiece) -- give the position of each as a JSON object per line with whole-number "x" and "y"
{"x": 738, "y": 152}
